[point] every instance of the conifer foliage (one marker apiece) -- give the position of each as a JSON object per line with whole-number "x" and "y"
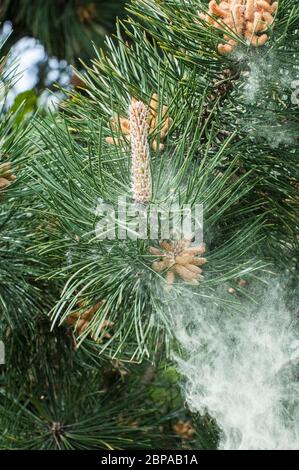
{"x": 67, "y": 28}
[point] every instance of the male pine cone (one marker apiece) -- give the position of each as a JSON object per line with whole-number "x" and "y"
{"x": 6, "y": 176}
{"x": 141, "y": 175}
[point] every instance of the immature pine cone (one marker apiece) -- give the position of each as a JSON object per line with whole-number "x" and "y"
{"x": 141, "y": 176}
{"x": 184, "y": 429}
{"x": 86, "y": 13}
{"x": 6, "y": 176}
{"x": 179, "y": 258}
{"x": 81, "y": 319}
{"x": 245, "y": 18}
{"x": 123, "y": 124}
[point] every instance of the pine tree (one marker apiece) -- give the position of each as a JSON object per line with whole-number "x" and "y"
{"x": 185, "y": 107}
{"x": 43, "y": 403}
